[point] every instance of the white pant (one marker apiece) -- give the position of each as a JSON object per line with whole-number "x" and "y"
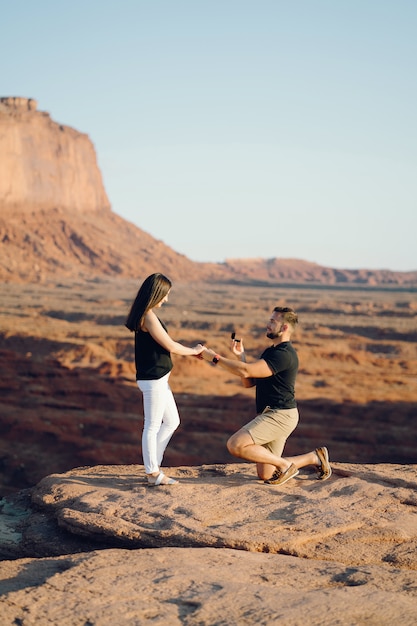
{"x": 161, "y": 419}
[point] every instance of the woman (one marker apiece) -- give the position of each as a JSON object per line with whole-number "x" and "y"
{"x": 153, "y": 348}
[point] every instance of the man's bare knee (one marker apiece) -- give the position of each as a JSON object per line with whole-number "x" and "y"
{"x": 238, "y": 442}
{"x": 231, "y": 444}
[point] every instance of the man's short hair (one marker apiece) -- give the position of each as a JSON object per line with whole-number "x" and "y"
{"x": 288, "y": 314}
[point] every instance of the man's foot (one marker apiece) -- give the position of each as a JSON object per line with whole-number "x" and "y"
{"x": 282, "y": 477}
{"x": 275, "y": 475}
{"x": 325, "y": 471}
{"x": 160, "y": 479}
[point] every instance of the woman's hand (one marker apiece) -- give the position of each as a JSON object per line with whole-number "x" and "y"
{"x": 207, "y": 354}
{"x": 198, "y": 350}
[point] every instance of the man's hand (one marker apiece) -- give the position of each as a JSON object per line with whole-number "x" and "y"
{"x": 237, "y": 347}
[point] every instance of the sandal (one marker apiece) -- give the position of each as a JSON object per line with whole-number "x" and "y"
{"x": 161, "y": 479}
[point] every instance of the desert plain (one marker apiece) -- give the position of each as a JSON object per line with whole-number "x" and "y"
{"x": 69, "y": 397}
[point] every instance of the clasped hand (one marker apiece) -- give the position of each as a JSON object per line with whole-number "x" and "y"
{"x": 236, "y": 347}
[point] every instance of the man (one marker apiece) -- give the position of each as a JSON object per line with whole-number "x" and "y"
{"x": 263, "y": 439}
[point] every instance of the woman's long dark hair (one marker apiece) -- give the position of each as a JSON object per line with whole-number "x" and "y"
{"x": 152, "y": 291}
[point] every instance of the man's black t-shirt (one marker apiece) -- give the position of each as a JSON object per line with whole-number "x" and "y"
{"x": 277, "y": 391}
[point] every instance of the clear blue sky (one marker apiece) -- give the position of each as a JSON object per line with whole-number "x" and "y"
{"x": 236, "y": 128}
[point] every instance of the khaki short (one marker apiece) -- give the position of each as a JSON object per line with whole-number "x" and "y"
{"x": 272, "y": 428}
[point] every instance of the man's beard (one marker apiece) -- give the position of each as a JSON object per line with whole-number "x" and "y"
{"x": 272, "y": 335}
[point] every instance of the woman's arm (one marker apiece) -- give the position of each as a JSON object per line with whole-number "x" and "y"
{"x": 155, "y": 328}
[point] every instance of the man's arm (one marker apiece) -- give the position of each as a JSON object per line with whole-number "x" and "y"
{"x": 258, "y": 369}
{"x": 239, "y": 350}
{"x": 246, "y": 382}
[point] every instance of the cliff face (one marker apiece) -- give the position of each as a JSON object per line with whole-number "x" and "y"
{"x": 46, "y": 165}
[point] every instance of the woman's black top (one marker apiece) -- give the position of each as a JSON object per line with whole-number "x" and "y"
{"x": 151, "y": 359}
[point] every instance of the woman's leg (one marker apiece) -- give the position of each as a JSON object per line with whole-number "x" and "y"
{"x": 160, "y": 421}
{"x": 153, "y": 411}
{"x": 170, "y": 423}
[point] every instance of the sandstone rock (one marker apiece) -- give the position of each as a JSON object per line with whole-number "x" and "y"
{"x": 38, "y": 245}
{"x": 18, "y": 104}
{"x": 46, "y": 165}
{"x": 202, "y": 587}
{"x": 370, "y": 508}
{"x": 304, "y": 272}
{"x": 228, "y": 549}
